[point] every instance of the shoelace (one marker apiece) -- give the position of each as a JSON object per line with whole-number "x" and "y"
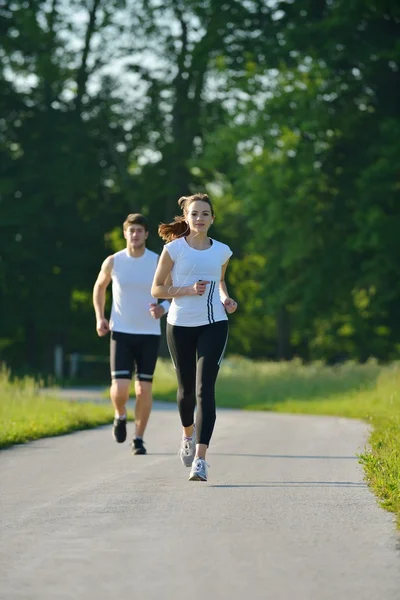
{"x": 185, "y": 446}
{"x": 199, "y": 464}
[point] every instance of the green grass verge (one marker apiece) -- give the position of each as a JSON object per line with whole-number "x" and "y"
{"x": 26, "y": 415}
{"x": 369, "y": 392}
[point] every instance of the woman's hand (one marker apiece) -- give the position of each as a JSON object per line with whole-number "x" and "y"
{"x": 230, "y": 305}
{"x": 199, "y": 287}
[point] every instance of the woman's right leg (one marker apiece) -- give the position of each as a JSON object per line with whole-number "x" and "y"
{"x": 182, "y": 347}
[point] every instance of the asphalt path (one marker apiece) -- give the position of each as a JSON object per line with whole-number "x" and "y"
{"x": 285, "y": 515}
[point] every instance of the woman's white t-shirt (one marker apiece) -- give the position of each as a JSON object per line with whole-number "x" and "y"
{"x": 191, "y": 265}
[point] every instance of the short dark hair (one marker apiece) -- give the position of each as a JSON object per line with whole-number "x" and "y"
{"x": 136, "y": 219}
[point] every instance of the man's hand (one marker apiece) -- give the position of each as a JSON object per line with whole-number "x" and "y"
{"x": 102, "y": 327}
{"x": 156, "y": 311}
{"x": 230, "y": 305}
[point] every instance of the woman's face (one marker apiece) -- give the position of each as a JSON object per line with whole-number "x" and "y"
{"x": 199, "y": 216}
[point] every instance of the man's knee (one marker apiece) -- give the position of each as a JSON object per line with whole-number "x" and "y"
{"x": 120, "y": 387}
{"x": 143, "y": 388}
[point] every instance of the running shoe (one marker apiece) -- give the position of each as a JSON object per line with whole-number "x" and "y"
{"x": 137, "y": 447}
{"x": 199, "y": 469}
{"x": 187, "y": 450}
{"x": 119, "y": 430}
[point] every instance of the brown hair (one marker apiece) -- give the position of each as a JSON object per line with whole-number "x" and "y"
{"x": 136, "y": 219}
{"x": 179, "y": 227}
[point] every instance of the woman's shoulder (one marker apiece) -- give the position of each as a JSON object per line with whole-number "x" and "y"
{"x": 223, "y": 249}
{"x": 175, "y": 242}
{"x": 174, "y": 248}
{"x": 220, "y": 245}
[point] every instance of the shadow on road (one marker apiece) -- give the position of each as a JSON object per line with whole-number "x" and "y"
{"x": 287, "y": 456}
{"x": 294, "y": 484}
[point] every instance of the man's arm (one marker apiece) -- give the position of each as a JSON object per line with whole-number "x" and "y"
{"x": 160, "y": 309}
{"x": 99, "y": 295}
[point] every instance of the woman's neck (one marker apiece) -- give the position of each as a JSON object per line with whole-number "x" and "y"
{"x": 199, "y": 241}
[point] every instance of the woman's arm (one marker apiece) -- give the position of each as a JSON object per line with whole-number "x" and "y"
{"x": 162, "y": 287}
{"x": 229, "y": 303}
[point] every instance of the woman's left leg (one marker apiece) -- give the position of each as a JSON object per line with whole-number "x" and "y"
{"x": 210, "y": 350}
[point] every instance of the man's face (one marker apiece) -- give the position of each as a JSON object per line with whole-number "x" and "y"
{"x": 136, "y": 236}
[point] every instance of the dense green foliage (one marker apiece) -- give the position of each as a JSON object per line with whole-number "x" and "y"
{"x": 287, "y": 113}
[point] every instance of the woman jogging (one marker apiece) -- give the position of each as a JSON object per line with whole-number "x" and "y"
{"x": 191, "y": 271}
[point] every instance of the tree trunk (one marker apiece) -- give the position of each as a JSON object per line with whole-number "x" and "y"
{"x": 49, "y": 68}
{"x": 189, "y": 85}
{"x": 82, "y": 76}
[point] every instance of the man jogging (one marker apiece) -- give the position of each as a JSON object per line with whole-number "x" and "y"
{"x": 134, "y": 326}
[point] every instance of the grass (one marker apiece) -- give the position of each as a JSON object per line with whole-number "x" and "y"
{"x": 26, "y": 415}
{"x": 247, "y": 384}
{"x": 369, "y": 392}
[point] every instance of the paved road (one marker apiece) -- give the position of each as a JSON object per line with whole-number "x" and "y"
{"x": 285, "y": 516}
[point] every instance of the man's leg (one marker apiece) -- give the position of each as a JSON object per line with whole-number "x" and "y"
{"x": 146, "y": 359}
{"x": 121, "y": 363}
{"x": 144, "y": 402}
{"x": 119, "y": 394}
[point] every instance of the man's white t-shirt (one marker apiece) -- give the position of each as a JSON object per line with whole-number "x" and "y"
{"x": 191, "y": 265}
{"x": 131, "y": 290}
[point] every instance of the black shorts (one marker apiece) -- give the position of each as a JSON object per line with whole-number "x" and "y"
{"x": 130, "y": 350}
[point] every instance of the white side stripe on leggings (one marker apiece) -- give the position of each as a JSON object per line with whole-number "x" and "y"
{"x": 223, "y": 351}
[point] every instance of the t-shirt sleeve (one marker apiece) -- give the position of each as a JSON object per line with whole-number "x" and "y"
{"x": 172, "y": 249}
{"x": 226, "y": 253}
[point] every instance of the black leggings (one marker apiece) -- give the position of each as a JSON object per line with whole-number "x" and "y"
{"x": 197, "y": 353}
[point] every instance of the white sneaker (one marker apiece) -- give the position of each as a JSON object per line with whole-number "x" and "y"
{"x": 199, "y": 470}
{"x": 187, "y": 451}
